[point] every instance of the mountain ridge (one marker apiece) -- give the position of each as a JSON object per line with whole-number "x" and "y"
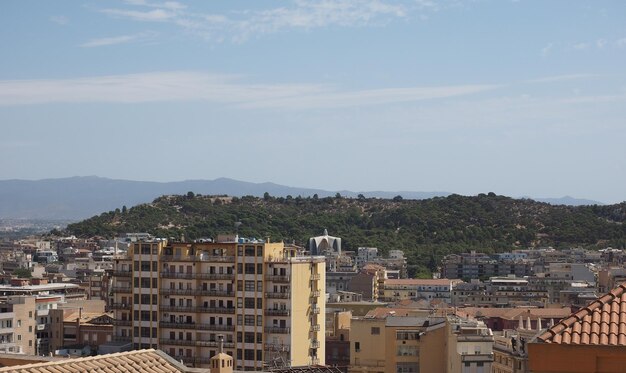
{"x": 79, "y": 197}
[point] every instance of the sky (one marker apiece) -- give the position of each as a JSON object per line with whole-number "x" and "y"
{"x": 520, "y": 98}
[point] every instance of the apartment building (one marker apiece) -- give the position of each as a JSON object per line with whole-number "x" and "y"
{"x": 266, "y": 299}
{"x": 385, "y": 343}
{"x": 393, "y": 290}
{"x": 18, "y": 325}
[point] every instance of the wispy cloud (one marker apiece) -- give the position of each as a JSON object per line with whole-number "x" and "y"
{"x": 545, "y": 51}
{"x": 213, "y": 88}
{"x": 151, "y": 15}
{"x": 600, "y": 43}
{"x": 122, "y": 39}
{"x": 60, "y": 20}
{"x": 562, "y": 78}
{"x": 241, "y": 25}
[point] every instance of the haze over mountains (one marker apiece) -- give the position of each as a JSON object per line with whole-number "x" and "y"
{"x": 82, "y": 197}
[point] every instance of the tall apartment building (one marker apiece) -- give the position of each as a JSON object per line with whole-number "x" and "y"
{"x": 266, "y": 299}
{"x": 18, "y": 325}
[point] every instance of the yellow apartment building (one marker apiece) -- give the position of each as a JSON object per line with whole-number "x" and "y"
{"x": 266, "y": 299}
{"x": 397, "y": 344}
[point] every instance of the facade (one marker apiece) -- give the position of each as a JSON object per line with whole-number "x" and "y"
{"x": 266, "y": 299}
{"x": 397, "y": 344}
{"x": 499, "y": 292}
{"x": 482, "y": 266}
{"x": 469, "y": 346}
{"x": 394, "y": 290}
{"x": 18, "y": 326}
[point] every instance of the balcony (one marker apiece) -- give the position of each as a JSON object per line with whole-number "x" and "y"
{"x": 42, "y": 327}
{"x": 126, "y": 273}
{"x": 276, "y": 312}
{"x": 315, "y": 294}
{"x": 122, "y": 289}
{"x": 315, "y": 310}
{"x": 177, "y": 342}
{"x": 315, "y": 344}
{"x": 122, "y": 338}
{"x": 315, "y": 277}
{"x": 277, "y": 295}
{"x": 276, "y": 330}
{"x": 170, "y": 291}
{"x": 215, "y": 310}
{"x": 198, "y": 258}
{"x": 177, "y": 308}
{"x": 276, "y": 278}
{"x": 216, "y": 276}
{"x": 183, "y": 275}
{"x": 276, "y": 347}
{"x": 120, "y": 306}
{"x": 122, "y": 322}
{"x": 215, "y": 293}
{"x": 200, "y": 326}
{"x": 477, "y": 357}
{"x": 315, "y": 328}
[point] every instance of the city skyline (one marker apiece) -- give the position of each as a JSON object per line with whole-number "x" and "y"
{"x": 518, "y": 98}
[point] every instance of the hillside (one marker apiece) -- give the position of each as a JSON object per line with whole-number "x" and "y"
{"x": 425, "y": 229}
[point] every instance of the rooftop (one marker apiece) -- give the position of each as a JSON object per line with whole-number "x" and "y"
{"x": 140, "y": 361}
{"x": 602, "y": 322}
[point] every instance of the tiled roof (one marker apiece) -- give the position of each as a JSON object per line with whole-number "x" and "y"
{"x": 514, "y": 313}
{"x": 140, "y": 361}
{"x": 602, "y": 322}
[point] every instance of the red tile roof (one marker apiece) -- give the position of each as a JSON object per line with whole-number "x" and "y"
{"x": 602, "y": 322}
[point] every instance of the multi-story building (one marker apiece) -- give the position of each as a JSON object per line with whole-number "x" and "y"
{"x": 266, "y": 299}
{"x": 482, "y": 266}
{"x": 384, "y": 343}
{"x": 469, "y": 346}
{"x": 393, "y": 290}
{"x": 18, "y": 326}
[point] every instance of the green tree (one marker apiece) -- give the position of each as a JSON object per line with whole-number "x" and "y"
{"x": 23, "y": 273}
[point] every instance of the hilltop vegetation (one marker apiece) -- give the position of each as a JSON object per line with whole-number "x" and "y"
{"x": 425, "y": 229}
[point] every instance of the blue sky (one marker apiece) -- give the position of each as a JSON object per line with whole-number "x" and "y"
{"x": 522, "y": 98}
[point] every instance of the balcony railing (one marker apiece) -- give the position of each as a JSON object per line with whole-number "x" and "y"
{"x": 315, "y": 310}
{"x": 120, "y": 306}
{"x": 122, "y": 338}
{"x": 276, "y": 278}
{"x": 276, "y": 347}
{"x": 193, "y": 342}
{"x": 315, "y": 328}
{"x": 122, "y": 273}
{"x": 276, "y": 312}
{"x": 122, "y": 322}
{"x": 199, "y": 326}
{"x": 197, "y": 275}
{"x": 197, "y": 258}
{"x": 276, "y": 330}
{"x": 200, "y": 292}
{"x": 197, "y": 309}
{"x": 315, "y": 294}
{"x": 277, "y": 295}
{"x": 122, "y": 289}
{"x": 315, "y": 344}
{"x": 315, "y": 276}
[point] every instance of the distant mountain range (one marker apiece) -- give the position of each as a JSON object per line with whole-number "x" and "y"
{"x": 77, "y": 198}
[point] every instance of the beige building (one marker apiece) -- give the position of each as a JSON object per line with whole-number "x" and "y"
{"x": 266, "y": 299}
{"x": 18, "y": 326}
{"x": 384, "y": 343}
{"x": 469, "y": 346}
{"x": 393, "y": 290}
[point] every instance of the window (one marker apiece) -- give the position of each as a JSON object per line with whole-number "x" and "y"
{"x": 249, "y": 268}
{"x": 249, "y": 320}
{"x": 375, "y": 330}
{"x": 357, "y": 346}
{"x": 249, "y": 285}
{"x": 249, "y": 303}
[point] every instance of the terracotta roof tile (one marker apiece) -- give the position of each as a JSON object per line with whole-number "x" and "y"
{"x": 140, "y": 361}
{"x": 602, "y": 322}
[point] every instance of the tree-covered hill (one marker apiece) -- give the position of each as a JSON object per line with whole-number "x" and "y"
{"x": 425, "y": 229}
